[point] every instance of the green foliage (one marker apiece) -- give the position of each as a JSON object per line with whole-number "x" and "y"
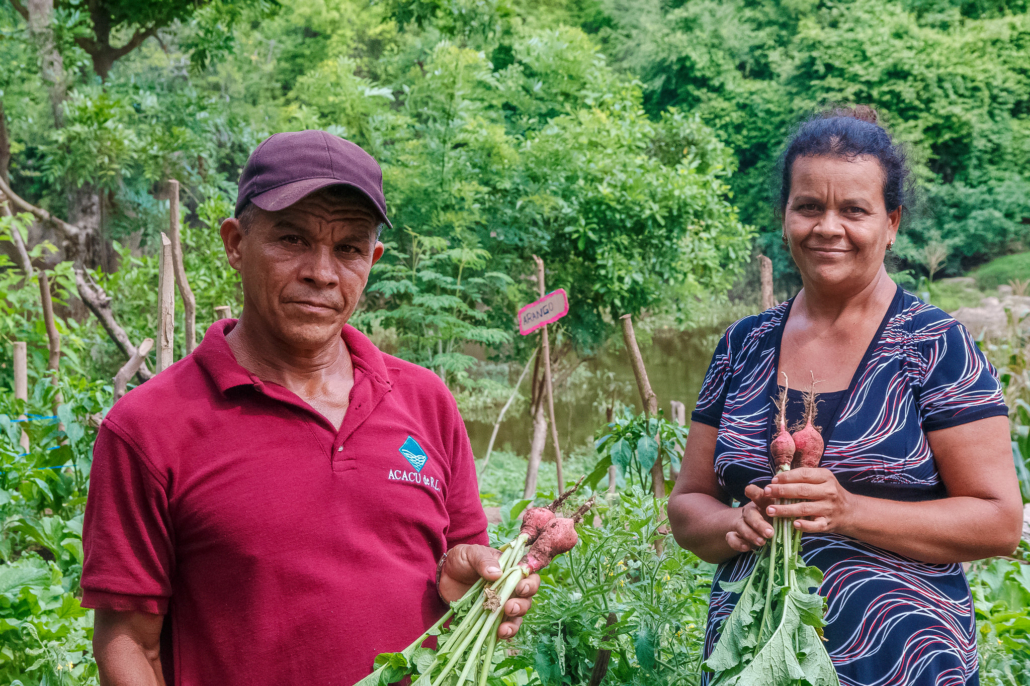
{"x": 1001, "y": 595}
{"x": 633, "y": 442}
{"x": 952, "y": 82}
{"x": 659, "y": 603}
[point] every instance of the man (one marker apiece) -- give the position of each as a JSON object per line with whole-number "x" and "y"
{"x": 272, "y": 508}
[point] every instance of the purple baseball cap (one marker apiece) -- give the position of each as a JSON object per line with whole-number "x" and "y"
{"x": 288, "y": 167}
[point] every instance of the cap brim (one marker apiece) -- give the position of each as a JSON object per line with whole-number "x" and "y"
{"x": 288, "y": 194}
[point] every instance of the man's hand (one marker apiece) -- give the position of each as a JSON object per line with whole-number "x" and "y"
{"x": 466, "y": 564}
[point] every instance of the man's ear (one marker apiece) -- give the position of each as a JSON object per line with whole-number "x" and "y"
{"x": 377, "y": 252}
{"x": 232, "y": 236}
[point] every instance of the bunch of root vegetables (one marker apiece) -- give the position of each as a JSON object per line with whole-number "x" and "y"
{"x": 774, "y": 636}
{"x": 467, "y": 633}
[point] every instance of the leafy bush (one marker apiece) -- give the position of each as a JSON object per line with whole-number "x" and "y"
{"x": 615, "y": 593}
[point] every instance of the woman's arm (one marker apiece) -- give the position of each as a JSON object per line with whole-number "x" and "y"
{"x": 702, "y": 520}
{"x": 981, "y": 517}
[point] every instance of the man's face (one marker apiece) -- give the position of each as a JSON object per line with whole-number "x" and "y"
{"x": 304, "y": 268}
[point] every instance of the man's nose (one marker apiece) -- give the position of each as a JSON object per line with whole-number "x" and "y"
{"x": 319, "y": 269}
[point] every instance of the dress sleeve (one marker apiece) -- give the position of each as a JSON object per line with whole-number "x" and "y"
{"x": 126, "y": 532}
{"x": 716, "y": 385}
{"x": 960, "y": 385}
{"x": 465, "y": 510}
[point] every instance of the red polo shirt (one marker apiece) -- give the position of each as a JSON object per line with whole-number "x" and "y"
{"x": 280, "y": 550}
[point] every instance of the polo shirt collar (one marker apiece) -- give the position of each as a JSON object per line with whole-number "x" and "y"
{"x": 216, "y": 358}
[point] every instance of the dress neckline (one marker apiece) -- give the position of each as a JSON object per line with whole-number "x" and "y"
{"x": 774, "y": 384}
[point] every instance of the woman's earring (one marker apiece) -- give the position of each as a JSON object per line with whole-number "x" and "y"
{"x": 890, "y": 244}
{"x": 784, "y": 237}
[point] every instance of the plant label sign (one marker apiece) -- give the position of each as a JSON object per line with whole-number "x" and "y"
{"x": 547, "y": 309}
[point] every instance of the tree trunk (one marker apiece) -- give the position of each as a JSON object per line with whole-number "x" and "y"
{"x": 51, "y": 64}
{"x": 5, "y": 145}
{"x": 536, "y": 450}
{"x": 84, "y": 212}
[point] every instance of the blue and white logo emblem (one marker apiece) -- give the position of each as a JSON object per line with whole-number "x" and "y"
{"x": 414, "y": 454}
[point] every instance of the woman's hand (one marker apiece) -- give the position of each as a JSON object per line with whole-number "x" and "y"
{"x": 824, "y": 504}
{"x": 752, "y": 529}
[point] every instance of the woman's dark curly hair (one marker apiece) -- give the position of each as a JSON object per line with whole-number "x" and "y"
{"x": 848, "y": 132}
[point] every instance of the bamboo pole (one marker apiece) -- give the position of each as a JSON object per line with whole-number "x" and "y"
{"x": 679, "y": 415}
{"x": 165, "y": 306}
{"x": 647, "y": 395}
{"x": 223, "y": 312}
{"x": 500, "y": 417}
{"x": 21, "y": 382}
{"x": 545, "y": 346}
{"x": 121, "y": 379}
{"x": 53, "y": 338}
{"x": 768, "y": 299}
{"x": 189, "y": 303}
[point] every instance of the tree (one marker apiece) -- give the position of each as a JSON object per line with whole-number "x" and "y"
{"x": 105, "y": 19}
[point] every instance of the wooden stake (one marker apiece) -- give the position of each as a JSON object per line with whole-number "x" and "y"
{"x": 121, "y": 379}
{"x": 497, "y": 424}
{"x": 647, "y": 395}
{"x": 545, "y": 346}
{"x": 165, "y": 306}
{"x": 21, "y": 382}
{"x": 53, "y": 338}
{"x": 189, "y": 303}
{"x": 679, "y": 415}
{"x": 768, "y": 299}
{"x": 223, "y": 312}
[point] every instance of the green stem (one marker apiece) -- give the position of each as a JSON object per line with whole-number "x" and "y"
{"x": 460, "y": 650}
{"x": 769, "y": 582}
{"x": 488, "y": 654}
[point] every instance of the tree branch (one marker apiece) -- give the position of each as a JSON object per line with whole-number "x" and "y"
{"x": 100, "y": 305}
{"x": 20, "y": 9}
{"x": 19, "y": 244}
{"x": 92, "y": 295}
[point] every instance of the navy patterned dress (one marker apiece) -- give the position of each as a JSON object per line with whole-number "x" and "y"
{"x": 892, "y": 620}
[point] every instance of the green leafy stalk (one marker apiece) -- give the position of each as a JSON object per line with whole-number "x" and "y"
{"x": 793, "y": 652}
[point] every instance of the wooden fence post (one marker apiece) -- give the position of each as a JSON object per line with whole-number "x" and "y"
{"x": 21, "y": 382}
{"x": 165, "y": 306}
{"x": 121, "y": 379}
{"x": 500, "y": 417}
{"x": 768, "y": 299}
{"x": 223, "y": 312}
{"x": 646, "y": 395}
{"x": 189, "y": 303}
{"x": 545, "y": 349}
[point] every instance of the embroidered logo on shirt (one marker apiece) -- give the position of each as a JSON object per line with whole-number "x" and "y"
{"x": 414, "y": 454}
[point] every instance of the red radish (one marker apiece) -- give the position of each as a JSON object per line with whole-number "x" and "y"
{"x": 782, "y": 446}
{"x": 559, "y": 537}
{"x": 534, "y": 521}
{"x": 808, "y": 442}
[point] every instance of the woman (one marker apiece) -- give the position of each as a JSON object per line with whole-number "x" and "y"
{"x": 917, "y": 475}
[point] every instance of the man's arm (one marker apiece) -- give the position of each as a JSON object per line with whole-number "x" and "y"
{"x": 127, "y": 648}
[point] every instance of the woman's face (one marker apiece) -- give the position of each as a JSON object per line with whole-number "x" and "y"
{"x": 836, "y": 223}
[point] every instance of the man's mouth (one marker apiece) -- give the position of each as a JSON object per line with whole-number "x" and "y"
{"x": 313, "y": 306}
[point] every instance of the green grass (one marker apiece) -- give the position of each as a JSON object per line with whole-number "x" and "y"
{"x": 1002, "y": 270}
{"x": 505, "y": 476}
{"x": 950, "y": 295}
